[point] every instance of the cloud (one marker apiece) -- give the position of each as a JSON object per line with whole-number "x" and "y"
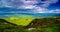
{"x": 10, "y": 3}
{"x": 30, "y": 4}
{"x": 50, "y": 11}
{"x": 19, "y": 3}
{"x": 48, "y": 2}
{"x": 55, "y": 11}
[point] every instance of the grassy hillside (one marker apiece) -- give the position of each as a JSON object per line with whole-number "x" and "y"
{"x": 23, "y": 20}
{"x": 51, "y": 24}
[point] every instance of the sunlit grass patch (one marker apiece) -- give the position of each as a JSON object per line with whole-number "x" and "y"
{"x": 23, "y": 20}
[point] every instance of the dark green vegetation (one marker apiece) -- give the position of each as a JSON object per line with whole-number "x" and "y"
{"x": 51, "y": 24}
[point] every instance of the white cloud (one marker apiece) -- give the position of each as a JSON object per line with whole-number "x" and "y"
{"x": 51, "y": 11}
{"x": 55, "y": 11}
{"x": 48, "y": 2}
{"x": 29, "y": 4}
{"x": 18, "y": 3}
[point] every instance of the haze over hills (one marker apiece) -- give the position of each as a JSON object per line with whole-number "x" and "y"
{"x": 5, "y": 12}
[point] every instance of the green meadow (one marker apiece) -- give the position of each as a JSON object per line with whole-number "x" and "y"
{"x": 23, "y": 20}
{"x": 30, "y": 24}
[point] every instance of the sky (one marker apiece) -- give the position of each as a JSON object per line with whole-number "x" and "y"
{"x": 30, "y": 6}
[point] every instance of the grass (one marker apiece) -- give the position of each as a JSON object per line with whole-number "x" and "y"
{"x": 52, "y": 25}
{"x": 23, "y": 20}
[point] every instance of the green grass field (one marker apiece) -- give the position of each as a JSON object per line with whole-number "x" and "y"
{"x": 23, "y": 20}
{"x": 51, "y": 24}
